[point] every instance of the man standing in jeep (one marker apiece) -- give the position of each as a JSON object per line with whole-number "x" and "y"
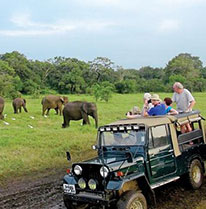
{"x": 183, "y": 98}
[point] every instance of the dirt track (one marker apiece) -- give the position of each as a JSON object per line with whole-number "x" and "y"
{"x": 46, "y": 193}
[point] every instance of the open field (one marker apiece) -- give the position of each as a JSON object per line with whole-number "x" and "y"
{"x": 25, "y": 150}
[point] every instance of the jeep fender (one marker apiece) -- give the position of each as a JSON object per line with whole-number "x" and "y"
{"x": 138, "y": 182}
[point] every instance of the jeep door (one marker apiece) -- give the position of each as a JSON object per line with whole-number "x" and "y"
{"x": 161, "y": 161}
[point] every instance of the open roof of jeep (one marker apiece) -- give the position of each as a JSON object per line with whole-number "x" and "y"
{"x": 160, "y": 120}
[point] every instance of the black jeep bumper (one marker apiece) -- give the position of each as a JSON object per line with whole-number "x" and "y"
{"x": 86, "y": 198}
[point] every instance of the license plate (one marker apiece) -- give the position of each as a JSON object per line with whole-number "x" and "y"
{"x": 69, "y": 188}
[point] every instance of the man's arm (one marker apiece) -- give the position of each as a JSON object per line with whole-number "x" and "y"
{"x": 192, "y": 103}
{"x": 145, "y": 108}
{"x": 145, "y": 113}
{"x": 191, "y": 100}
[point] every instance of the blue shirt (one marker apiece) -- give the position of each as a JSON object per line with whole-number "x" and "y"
{"x": 157, "y": 110}
{"x": 168, "y": 109}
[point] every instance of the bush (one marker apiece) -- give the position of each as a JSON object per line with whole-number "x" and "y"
{"x": 30, "y": 87}
{"x": 126, "y": 86}
{"x": 153, "y": 85}
{"x": 103, "y": 91}
{"x": 7, "y": 87}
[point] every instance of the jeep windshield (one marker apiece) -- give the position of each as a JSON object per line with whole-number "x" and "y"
{"x": 122, "y": 138}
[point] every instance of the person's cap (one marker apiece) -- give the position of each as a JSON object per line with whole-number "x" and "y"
{"x": 135, "y": 110}
{"x": 147, "y": 96}
{"x": 155, "y": 97}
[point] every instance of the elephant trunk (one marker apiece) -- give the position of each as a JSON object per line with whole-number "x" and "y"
{"x": 96, "y": 119}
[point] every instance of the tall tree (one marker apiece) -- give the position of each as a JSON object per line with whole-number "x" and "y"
{"x": 151, "y": 73}
{"x": 185, "y": 65}
{"x": 101, "y": 69}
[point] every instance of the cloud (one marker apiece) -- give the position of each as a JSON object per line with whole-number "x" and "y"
{"x": 169, "y": 25}
{"x": 178, "y": 3}
{"x": 22, "y": 20}
{"x": 100, "y": 2}
{"x": 112, "y": 4}
{"x": 26, "y": 27}
{"x": 26, "y": 32}
{"x": 138, "y": 5}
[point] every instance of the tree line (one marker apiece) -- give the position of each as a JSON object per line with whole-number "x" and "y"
{"x": 19, "y": 75}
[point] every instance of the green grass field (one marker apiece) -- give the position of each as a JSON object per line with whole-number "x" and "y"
{"x": 25, "y": 150}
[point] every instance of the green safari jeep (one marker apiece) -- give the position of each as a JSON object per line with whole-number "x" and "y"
{"x": 135, "y": 156}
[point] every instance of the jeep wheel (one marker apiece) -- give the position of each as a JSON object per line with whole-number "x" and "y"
{"x": 69, "y": 205}
{"x": 195, "y": 175}
{"x": 132, "y": 200}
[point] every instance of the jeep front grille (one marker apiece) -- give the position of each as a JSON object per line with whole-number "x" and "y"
{"x": 92, "y": 171}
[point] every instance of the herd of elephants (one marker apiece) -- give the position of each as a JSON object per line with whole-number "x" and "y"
{"x": 72, "y": 110}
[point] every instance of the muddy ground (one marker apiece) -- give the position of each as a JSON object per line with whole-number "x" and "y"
{"x": 45, "y": 192}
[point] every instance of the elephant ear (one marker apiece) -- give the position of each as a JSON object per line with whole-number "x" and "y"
{"x": 84, "y": 108}
{"x": 65, "y": 100}
{"x": 62, "y": 99}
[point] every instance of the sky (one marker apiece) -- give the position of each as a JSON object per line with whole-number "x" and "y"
{"x": 131, "y": 33}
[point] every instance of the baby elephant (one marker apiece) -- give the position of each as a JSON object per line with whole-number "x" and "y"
{"x": 79, "y": 110}
{"x": 1, "y": 108}
{"x": 18, "y": 103}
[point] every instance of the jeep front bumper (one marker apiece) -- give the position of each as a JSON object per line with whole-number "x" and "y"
{"x": 87, "y": 198}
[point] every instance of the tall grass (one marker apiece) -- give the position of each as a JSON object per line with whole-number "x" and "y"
{"x": 33, "y": 143}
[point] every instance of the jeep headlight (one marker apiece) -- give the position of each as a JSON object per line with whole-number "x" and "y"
{"x": 82, "y": 183}
{"x": 77, "y": 170}
{"x": 92, "y": 184}
{"x": 104, "y": 171}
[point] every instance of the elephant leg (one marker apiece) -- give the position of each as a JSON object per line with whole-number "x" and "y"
{"x": 60, "y": 109}
{"x": 56, "y": 109}
{"x": 20, "y": 109}
{"x": 43, "y": 110}
{"x": 85, "y": 118}
{"x": 1, "y": 115}
{"x": 48, "y": 111}
{"x": 15, "y": 110}
{"x": 25, "y": 108}
{"x": 66, "y": 122}
{"x": 88, "y": 120}
{"x": 84, "y": 122}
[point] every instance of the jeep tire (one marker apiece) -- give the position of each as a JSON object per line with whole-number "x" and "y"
{"x": 132, "y": 200}
{"x": 69, "y": 205}
{"x": 195, "y": 174}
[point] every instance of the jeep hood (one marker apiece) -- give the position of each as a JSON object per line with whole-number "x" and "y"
{"x": 113, "y": 163}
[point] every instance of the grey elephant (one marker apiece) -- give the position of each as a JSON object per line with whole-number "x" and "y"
{"x": 18, "y": 103}
{"x": 1, "y": 108}
{"x": 53, "y": 102}
{"x": 79, "y": 110}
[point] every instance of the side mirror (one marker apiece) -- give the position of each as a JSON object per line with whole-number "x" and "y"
{"x": 94, "y": 147}
{"x": 129, "y": 157}
{"x": 68, "y": 156}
